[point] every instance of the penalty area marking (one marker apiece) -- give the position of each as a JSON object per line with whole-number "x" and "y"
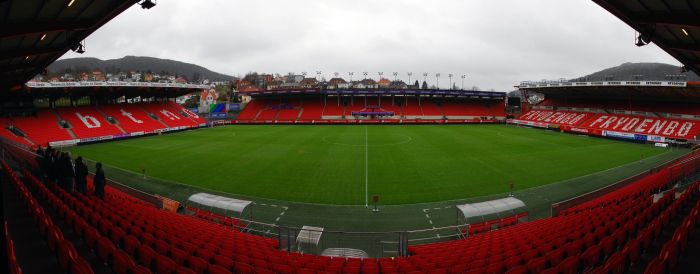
{"x": 366, "y": 167}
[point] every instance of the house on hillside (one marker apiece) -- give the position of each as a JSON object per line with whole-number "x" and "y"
{"x": 384, "y": 83}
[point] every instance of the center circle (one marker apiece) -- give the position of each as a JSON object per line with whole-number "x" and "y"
{"x": 358, "y": 139}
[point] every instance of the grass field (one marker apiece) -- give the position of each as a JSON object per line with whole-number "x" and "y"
{"x": 334, "y": 164}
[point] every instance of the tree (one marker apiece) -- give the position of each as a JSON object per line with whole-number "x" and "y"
{"x": 416, "y": 84}
{"x": 192, "y": 102}
{"x": 425, "y": 85}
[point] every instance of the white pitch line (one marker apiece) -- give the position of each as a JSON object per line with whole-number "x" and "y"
{"x": 437, "y": 208}
{"x": 366, "y": 168}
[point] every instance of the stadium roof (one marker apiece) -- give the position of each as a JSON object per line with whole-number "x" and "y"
{"x": 34, "y": 33}
{"x": 672, "y": 25}
{"x": 670, "y": 90}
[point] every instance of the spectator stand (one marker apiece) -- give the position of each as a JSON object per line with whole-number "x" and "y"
{"x": 482, "y": 217}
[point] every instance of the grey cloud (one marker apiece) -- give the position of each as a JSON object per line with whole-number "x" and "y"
{"x": 496, "y": 43}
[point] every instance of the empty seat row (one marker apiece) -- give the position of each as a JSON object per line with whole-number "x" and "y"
{"x": 68, "y": 258}
{"x": 98, "y": 121}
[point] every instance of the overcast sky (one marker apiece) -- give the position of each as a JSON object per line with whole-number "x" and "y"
{"x": 496, "y": 44}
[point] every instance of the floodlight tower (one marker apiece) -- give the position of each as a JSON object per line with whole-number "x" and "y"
{"x": 450, "y": 76}
{"x": 409, "y": 77}
{"x": 463, "y": 76}
{"x": 437, "y": 80}
{"x": 351, "y": 74}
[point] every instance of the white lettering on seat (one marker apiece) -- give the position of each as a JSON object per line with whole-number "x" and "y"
{"x": 89, "y": 121}
{"x": 685, "y": 129}
{"x": 642, "y": 127}
{"x": 130, "y": 116}
{"x": 599, "y": 120}
{"x": 657, "y": 126}
{"x": 671, "y": 128}
{"x": 169, "y": 114}
{"x": 631, "y": 124}
{"x": 608, "y": 122}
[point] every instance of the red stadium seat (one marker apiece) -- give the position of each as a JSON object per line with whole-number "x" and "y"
{"x": 105, "y": 249}
{"x": 197, "y": 264}
{"x": 217, "y": 269}
{"x": 130, "y": 244}
{"x": 122, "y": 263}
{"x": 80, "y": 266}
{"x": 165, "y": 265}
{"x": 146, "y": 255}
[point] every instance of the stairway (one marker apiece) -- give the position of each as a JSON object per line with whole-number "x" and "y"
{"x": 149, "y": 116}
{"x": 105, "y": 116}
{"x": 301, "y": 110}
{"x": 258, "y": 114}
{"x": 70, "y": 132}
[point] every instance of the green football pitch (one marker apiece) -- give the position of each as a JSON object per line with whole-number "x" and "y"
{"x": 344, "y": 165}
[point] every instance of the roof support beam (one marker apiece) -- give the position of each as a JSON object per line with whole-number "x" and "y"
{"x": 694, "y": 48}
{"x": 39, "y": 28}
{"x": 14, "y": 67}
{"x": 678, "y": 20}
{"x": 29, "y": 52}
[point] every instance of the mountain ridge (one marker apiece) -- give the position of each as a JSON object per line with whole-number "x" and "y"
{"x": 640, "y": 71}
{"x": 136, "y": 63}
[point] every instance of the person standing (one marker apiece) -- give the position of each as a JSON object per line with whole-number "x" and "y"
{"x": 99, "y": 181}
{"x": 51, "y": 164}
{"x": 67, "y": 172}
{"x": 81, "y": 172}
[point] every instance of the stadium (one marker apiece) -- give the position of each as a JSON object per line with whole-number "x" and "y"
{"x": 306, "y": 176}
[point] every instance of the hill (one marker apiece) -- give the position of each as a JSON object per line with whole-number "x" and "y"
{"x": 649, "y": 71}
{"x": 135, "y": 63}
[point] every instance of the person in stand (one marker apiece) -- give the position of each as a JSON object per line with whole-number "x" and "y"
{"x": 81, "y": 172}
{"x": 55, "y": 167}
{"x": 99, "y": 181}
{"x": 67, "y": 172}
{"x": 49, "y": 165}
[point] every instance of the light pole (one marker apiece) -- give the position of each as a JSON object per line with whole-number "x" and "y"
{"x": 437, "y": 80}
{"x": 351, "y": 74}
{"x": 425, "y": 76}
{"x": 380, "y": 75}
{"x": 318, "y": 75}
{"x": 365, "y": 74}
{"x": 450, "y": 76}
{"x": 409, "y": 77}
{"x": 395, "y": 74}
{"x": 463, "y": 76}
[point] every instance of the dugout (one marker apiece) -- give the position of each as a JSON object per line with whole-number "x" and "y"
{"x": 219, "y": 207}
{"x": 494, "y": 212}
